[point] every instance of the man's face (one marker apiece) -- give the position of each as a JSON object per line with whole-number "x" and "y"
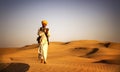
{"x": 44, "y": 25}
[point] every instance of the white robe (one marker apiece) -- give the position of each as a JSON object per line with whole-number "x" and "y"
{"x": 43, "y": 46}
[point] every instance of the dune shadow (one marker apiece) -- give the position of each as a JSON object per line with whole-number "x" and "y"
{"x": 114, "y": 60}
{"x": 80, "y": 48}
{"x": 105, "y": 44}
{"x": 102, "y": 61}
{"x": 94, "y": 50}
{"x": 14, "y": 67}
{"x": 66, "y": 43}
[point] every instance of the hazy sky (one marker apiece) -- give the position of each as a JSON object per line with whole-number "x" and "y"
{"x": 68, "y": 20}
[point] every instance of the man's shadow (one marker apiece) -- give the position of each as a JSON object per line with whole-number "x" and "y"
{"x": 14, "y": 67}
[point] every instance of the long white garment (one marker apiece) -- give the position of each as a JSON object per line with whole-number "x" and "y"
{"x": 43, "y": 46}
{"x": 42, "y": 50}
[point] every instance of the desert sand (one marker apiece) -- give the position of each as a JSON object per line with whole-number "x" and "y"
{"x": 73, "y": 56}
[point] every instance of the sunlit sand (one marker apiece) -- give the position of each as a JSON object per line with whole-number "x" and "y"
{"x": 74, "y": 56}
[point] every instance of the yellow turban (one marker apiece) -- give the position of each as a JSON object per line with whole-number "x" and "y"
{"x": 44, "y": 22}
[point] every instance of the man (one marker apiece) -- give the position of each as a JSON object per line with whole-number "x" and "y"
{"x": 43, "y": 41}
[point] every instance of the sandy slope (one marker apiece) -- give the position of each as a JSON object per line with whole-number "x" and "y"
{"x": 74, "y": 56}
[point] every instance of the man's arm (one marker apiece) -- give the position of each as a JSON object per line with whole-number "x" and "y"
{"x": 48, "y": 32}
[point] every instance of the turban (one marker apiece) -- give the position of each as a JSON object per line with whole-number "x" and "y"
{"x": 44, "y": 22}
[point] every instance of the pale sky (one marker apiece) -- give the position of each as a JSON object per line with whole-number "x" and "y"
{"x": 68, "y": 20}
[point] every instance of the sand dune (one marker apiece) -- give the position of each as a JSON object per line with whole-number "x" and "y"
{"x": 74, "y": 56}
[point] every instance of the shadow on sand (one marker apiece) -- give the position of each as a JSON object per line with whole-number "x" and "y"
{"x": 14, "y": 67}
{"x": 93, "y": 51}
